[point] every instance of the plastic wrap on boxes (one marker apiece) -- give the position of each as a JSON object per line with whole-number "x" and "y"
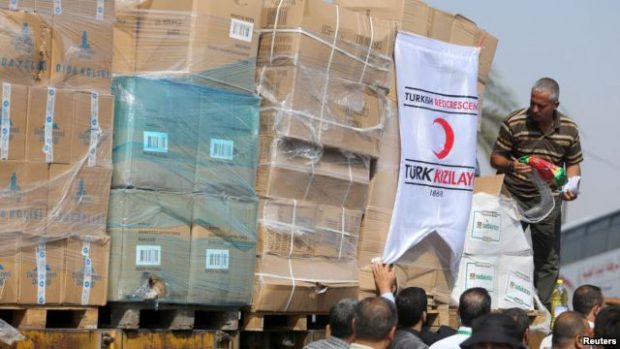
{"x": 150, "y": 234}
{"x": 183, "y": 137}
{"x": 322, "y": 73}
{"x": 223, "y": 250}
{"x": 299, "y": 170}
{"x": 305, "y": 229}
{"x": 205, "y": 40}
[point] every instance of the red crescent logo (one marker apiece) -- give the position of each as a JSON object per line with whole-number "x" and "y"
{"x": 447, "y": 147}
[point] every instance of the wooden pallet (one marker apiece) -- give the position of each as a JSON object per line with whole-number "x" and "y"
{"x": 282, "y": 321}
{"x": 48, "y": 317}
{"x": 168, "y": 317}
{"x": 441, "y": 315}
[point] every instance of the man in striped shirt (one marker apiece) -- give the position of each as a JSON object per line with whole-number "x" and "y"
{"x": 543, "y": 131}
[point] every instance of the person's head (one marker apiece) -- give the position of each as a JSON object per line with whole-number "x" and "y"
{"x": 496, "y": 331}
{"x": 522, "y": 322}
{"x": 341, "y": 319}
{"x": 544, "y": 100}
{"x": 588, "y": 300}
{"x": 375, "y": 320}
{"x": 568, "y": 330}
{"x": 411, "y": 304}
{"x": 607, "y": 325}
{"x": 473, "y": 303}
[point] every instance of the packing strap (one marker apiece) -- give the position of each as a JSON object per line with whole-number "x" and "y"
{"x": 5, "y": 122}
{"x": 48, "y": 139}
{"x": 95, "y": 129}
{"x": 324, "y": 98}
{"x": 40, "y": 256}
{"x": 13, "y": 5}
{"x": 57, "y": 7}
{"x": 100, "y": 10}
{"x": 372, "y": 41}
{"x": 87, "y": 273}
{"x": 290, "y": 253}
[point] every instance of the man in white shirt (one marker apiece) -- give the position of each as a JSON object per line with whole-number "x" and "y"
{"x": 473, "y": 304}
{"x": 588, "y": 301}
{"x": 374, "y": 323}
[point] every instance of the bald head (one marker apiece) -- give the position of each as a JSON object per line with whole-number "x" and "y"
{"x": 568, "y": 328}
{"x": 474, "y": 303}
{"x": 375, "y": 318}
{"x": 588, "y": 300}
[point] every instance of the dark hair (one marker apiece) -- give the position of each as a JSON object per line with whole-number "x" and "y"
{"x": 341, "y": 318}
{"x": 586, "y": 297}
{"x": 607, "y": 324}
{"x": 410, "y": 303}
{"x": 567, "y": 326}
{"x": 374, "y": 318}
{"x": 474, "y": 303}
{"x": 522, "y": 321}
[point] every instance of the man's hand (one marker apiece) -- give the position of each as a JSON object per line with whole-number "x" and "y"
{"x": 568, "y": 196}
{"x": 385, "y": 277}
{"x": 519, "y": 167}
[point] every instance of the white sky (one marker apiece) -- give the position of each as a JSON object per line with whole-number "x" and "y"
{"x": 578, "y": 44}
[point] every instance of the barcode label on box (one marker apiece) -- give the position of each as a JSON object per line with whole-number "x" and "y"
{"x": 156, "y": 142}
{"x": 148, "y": 255}
{"x": 241, "y": 30}
{"x": 222, "y": 149}
{"x": 217, "y": 259}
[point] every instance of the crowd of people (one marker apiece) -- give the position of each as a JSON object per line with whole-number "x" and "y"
{"x": 399, "y": 322}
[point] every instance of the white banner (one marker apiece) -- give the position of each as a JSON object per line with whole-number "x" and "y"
{"x": 438, "y": 110}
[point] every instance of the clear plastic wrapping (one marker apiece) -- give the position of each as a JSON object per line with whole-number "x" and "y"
{"x": 207, "y": 41}
{"x": 183, "y": 137}
{"x": 66, "y": 44}
{"x": 181, "y": 248}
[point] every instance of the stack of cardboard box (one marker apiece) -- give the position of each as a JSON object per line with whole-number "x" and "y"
{"x": 427, "y": 264}
{"x": 183, "y": 211}
{"x": 323, "y": 73}
{"x": 56, "y": 146}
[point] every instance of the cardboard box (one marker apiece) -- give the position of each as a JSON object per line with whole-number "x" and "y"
{"x": 223, "y": 250}
{"x": 333, "y": 40}
{"x": 92, "y": 112}
{"x": 315, "y": 230}
{"x": 478, "y": 271}
{"x": 205, "y": 38}
{"x": 124, "y": 38}
{"x": 86, "y": 270}
{"x": 318, "y": 284}
{"x": 515, "y": 282}
{"x": 14, "y": 110}
{"x": 78, "y": 200}
{"x": 36, "y": 286}
{"x": 26, "y": 44}
{"x": 91, "y": 10}
{"x": 156, "y": 133}
{"x": 302, "y": 171}
{"x": 310, "y": 105}
{"x": 228, "y": 144}
{"x": 420, "y": 18}
{"x": 20, "y": 5}
{"x": 9, "y": 267}
{"x": 60, "y": 125}
{"x": 150, "y": 234}
{"x": 82, "y": 53}
{"x": 23, "y": 196}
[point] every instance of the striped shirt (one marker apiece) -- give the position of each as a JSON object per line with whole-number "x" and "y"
{"x": 328, "y": 343}
{"x": 519, "y": 135}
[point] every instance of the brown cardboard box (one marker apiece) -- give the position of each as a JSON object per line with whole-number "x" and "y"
{"x": 92, "y": 10}
{"x": 61, "y": 127}
{"x": 417, "y": 17}
{"x": 207, "y": 38}
{"x": 78, "y": 200}
{"x": 45, "y": 288}
{"x": 23, "y": 196}
{"x": 302, "y": 171}
{"x": 9, "y": 267}
{"x": 26, "y": 44}
{"x": 86, "y": 270}
{"x": 333, "y": 40}
{"x": 14, "y": 99}
{"x": 309, "y": 105}
{"x": 84, "y": 104}
{"x": 223, "y": 250}
{"x": 20, "y": 5}
{"x": 316, "y": 230}
{"x": 124, "y": 37}
{"x": 315, "y": 285}
{"x": 82, "y": 54}
{"x": 150, "y": 234}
